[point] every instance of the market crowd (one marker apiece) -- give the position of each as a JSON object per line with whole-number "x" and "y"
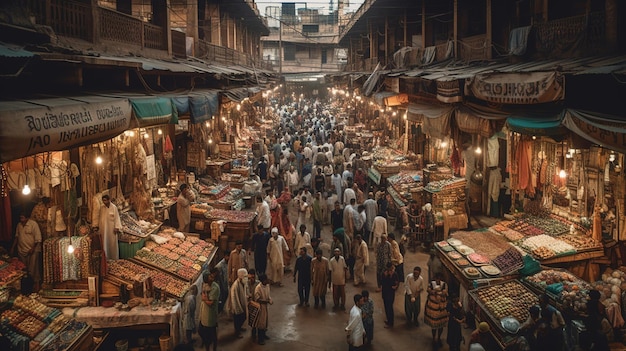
{"x": 314, "y": 181}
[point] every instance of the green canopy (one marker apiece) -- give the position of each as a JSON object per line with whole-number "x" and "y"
{"x": 151, "y": 111}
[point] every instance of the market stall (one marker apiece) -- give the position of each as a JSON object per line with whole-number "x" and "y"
{"x": 554, "y": 240}
{"x": 31, "y": 325}
{"x": 479, "y": 257}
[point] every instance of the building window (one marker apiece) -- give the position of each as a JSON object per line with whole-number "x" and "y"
{"x": 289, "y": 52}
{"x": 310, "y": 28}
{"x": 324, "y": 56}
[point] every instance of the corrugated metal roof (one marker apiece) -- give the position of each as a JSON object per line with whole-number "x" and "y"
{"x": 576, "y": 66}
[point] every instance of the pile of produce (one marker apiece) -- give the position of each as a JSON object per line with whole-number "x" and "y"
{"x": 569, "y": 289}
{"x": 182, "y": 257}
{"x": 545, "y": 247}
{"x": 127, "y": 270}
{"x": 509, "y": 261}
{"x": 534, "y": 225}
{"x": 508, "y": 299}
{"x": 611, "y": 285}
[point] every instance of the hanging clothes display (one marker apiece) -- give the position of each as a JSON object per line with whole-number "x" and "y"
{"x": 5, "y": 212}
{"x": 60, "y": 266}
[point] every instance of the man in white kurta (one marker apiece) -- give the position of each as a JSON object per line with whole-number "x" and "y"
{"x": 264, "y": 217}
{"x": 355, "y": 330}
{"x": 275, "y": 263}
{"x": 110, "y": 224}
{"x": 379, "y": 227}
{"x": 362, "y": 260}
{"x": 183, "y": 208}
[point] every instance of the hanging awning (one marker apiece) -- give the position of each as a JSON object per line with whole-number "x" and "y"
{"x": 203, "y": 105}
{"x": 34, "y": 126}
{"x": 236, "y": 94}
{"x": 435, "y": 118}
{"x": 604, "y": 130}
{"x": 476, "y": 119}
{"x": 151, "y": 111}
{"x": 539, "y": 124}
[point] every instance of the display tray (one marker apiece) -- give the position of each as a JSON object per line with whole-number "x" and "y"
{"x": 508, "y": 299}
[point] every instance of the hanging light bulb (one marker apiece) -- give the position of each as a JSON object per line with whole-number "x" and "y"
{"x": 478, "y": 150}
{"x": 534, "y": 137}
{"x": 238, "y": 107}
{"x": 159, "y": 132}
{"x": 562, "y": 174}
{"x": 444, "y": 144}
{"x": 611, "y": 157}
{"x": 99, "y": 160}
{"x": 210, "y": 141}
{"x": 131, "y": 133}
{"x": 405, "y": 116}
{"x": 70, "y": 249}
{"x": 26, "y": 189}
{"x": 146, "y": 136}
{"x": 206, "y": 124}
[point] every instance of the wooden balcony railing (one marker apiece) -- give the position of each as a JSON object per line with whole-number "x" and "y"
{"x": 119, "y": 27}
{"x": 76, "y": 20}
{"x": 71, "y": 19}
{"x": 220, "y": 54}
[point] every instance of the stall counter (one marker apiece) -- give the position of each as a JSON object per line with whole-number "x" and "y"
{"x": 110, "y": 317}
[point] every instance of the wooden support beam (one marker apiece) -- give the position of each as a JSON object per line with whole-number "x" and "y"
{"x": 423, "y": 24}
{"x": 386, "y": 38}
{"x": 405, "y": 24}
{"x": 456, "y": 29}
{"x": 489, "y": 31}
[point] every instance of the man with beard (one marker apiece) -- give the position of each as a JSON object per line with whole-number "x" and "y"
{"x": 275, "y": 262}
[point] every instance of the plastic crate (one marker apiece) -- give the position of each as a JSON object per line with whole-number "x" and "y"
{"x": 128, "y": 250}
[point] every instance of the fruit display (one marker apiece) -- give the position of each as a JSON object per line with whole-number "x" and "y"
{"x": 485, "y": 243}
{"x": 509, "y": 261}
{"x": 568, "y": 289}
{"x": 611, "y": 286}
{"x": 507, "y": 299}
{"x": 128, "y": 270}
{"x": 544, "y": 246}
{"x": 534, "y": 225}
{"x": 153, "y": 258}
